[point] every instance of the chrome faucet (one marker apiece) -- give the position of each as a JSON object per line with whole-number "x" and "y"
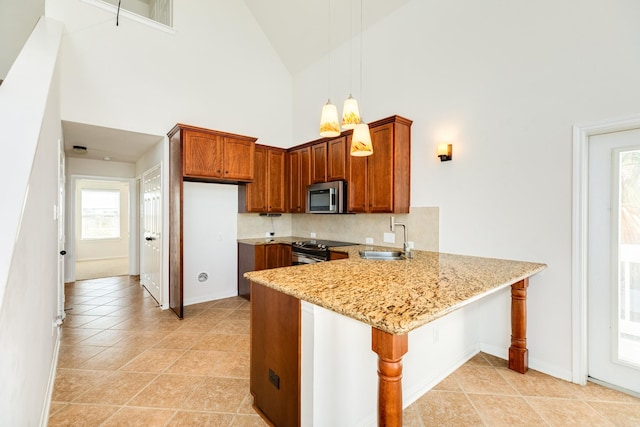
{"x": 407, "y": 250}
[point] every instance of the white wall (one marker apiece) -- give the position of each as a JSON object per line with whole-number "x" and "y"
{"x": 504, "y": 82}
{"x": 209, "y": 239}
{"x": 218, "y": 71}
{"x": 29, "y": 306}
{"x": 17, "y": 20}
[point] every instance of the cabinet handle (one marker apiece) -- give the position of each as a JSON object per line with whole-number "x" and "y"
{"x": 226, "y": 172}
{"x": 218, "y": 170}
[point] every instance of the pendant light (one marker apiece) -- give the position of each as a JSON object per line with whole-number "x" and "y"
{"x": 329, "y": 126}
{"x": 350, "y": 111}
{"x": 361, "y": 139}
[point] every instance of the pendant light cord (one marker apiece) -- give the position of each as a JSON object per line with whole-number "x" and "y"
{"x": 118, "y": 14}
{"x": 361, "y": 43}
{"x": 351, "y": 47}
{"x": 329, "y": 32}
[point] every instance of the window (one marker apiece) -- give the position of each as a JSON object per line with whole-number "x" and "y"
{"x": 100, "y": 214}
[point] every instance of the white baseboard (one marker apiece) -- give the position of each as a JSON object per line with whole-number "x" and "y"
{"x": 207, "y": 298}
{"x": 44, "y": 417}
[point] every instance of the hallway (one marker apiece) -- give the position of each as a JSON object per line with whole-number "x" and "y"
{"x": 123, "y": 361}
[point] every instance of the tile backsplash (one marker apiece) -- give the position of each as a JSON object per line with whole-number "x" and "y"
{"x": 422, "y": 227}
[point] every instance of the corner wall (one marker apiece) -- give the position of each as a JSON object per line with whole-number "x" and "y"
{"x": 28, "y": 334}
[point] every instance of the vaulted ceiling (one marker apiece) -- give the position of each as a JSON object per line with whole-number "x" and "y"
{"x": 299, "y": 29}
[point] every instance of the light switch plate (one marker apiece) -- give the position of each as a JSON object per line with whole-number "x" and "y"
{"x": 368, "y": 240}
{"x": 313, "y": 235}
{"x": 389, "y": 237}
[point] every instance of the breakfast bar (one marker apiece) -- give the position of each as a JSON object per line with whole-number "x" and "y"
{"x": 399, "y": 296}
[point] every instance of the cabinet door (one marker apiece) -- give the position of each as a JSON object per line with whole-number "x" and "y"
{"x": 358, "y": 200}
{"x": 202, "y": 155}
{"x": 305, "y": 176}
{"x": 295, "y": 200}
{"x": 238, "y": 159}
{"x": 256, "y": 191}
{"x": 337, "y": 159}
{"x": 275, "y": 177}
{"x": 380, "y": 170}
{"x": 285, "y": 252}
{"x": 319, "y": 163}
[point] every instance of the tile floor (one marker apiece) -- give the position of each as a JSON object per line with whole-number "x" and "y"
{"x": 123, "y": 361}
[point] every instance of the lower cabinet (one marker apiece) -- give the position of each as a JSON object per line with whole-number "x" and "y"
{"x": 275, "y": 355}
{"x": 260, "y": 257}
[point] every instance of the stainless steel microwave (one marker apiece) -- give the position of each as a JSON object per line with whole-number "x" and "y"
{"x": 327, "y": 197}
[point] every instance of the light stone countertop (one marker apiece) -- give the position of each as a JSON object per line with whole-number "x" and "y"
{"x": 271, "y": 240}
{"x": 396, "y": 296}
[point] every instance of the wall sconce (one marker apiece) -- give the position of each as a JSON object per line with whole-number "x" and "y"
{"x": 445, "y": 152}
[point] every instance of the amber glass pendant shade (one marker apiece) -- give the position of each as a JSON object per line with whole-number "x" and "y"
{"x": 350, "y": 113}
{"x": 361, "y": 141}
{"x": 329, "y": 126}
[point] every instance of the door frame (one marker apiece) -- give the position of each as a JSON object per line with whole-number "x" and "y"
{"x": 70, "y": 229}
{"x": 579, "y": 240}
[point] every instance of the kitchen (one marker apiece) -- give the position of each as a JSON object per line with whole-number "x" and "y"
{"x": 503, "y": 84}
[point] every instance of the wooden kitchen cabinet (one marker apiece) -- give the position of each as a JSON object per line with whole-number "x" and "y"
{"x": 199, "y": 154}
{"x": 216, "y": 156}
{"x": 275, "y": 355}
{"x": 299, "y": 166}
{"x": 260, "y": 257}
{"x": 380, "y": 183}
{"x": 267, "y": 192}
{"x": 319, "y": 162}
{"x": 337, "y": 159}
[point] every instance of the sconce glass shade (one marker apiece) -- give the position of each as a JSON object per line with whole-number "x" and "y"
{"x": 361, "y": 141}
{"x": 350, "y": 113}
{"x": 329, "y": 126}
{"x": 445, "y": 152}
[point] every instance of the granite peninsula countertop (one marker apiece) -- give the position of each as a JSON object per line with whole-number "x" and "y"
{"x": 271, "y": 240}
{"x": 396, "y": 296}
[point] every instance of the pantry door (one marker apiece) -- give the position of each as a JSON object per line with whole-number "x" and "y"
{"x": 151, "y": 259}
{"x": 613, "y": 290}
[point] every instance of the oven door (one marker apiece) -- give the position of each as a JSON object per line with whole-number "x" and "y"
{"x": 298, "y": 258}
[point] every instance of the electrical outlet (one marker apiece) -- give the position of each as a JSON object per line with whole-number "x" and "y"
{"x": 410, "y": 244}
{"x": 313, "y": 235}
{"x": 389, "y": 237}
{"x": 368, "y": 241}
{"x": 274, "y": 379}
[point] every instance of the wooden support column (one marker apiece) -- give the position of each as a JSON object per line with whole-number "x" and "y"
{"x": 518, "y": 353}
{"x": 390, "y": 348}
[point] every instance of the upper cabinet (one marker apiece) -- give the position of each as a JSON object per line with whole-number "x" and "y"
{"x": 319, "y": 162}
{"x": 380, "y": 183}
{"x": 267, "y": 192}
{"x": 337, "y": 159}
{"x": 299, "y": 167}
{"x": 216, "y": 156}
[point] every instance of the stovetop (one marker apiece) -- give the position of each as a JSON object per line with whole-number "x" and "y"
{"x": 320, "y": 244}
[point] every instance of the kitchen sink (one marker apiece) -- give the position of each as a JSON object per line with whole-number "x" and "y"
{"x": 382, "y": 255}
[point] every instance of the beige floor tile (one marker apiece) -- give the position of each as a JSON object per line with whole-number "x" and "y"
{"x": 481, "y": 379}
{"x": 411, "y": 417}
{"x": 116, "y": 389}
{"x": 179, "y": 340}
{"x": 70, "y": 383}
{"x": 139, "y": 417}
{"x": 247, "y": 405}
{"x": 55, "y": 407}
{"x": 444, "y": 408}
{"x": 143, "y": 339}
{"x": 167, "y": 391}
{"x": 203, "y": 419}
{"x": 223, "y": 342}
{"x": 230, "y": 303}
{"x": 248, "y": 421}
{"x": 566, "y": 412}
{"x": 218, "y": 394}
{"x": 596, "y": 392}
{"x": 112, "y": 358}
{"x": 72, "y": 356}
{"x": 235, "y": 365}
{"x": 77, "y": 320}
{"x": 106, "y": 338}
{"x": 534, "y": 383}
{"x": 505, "y": 410}
{"x": 232, "y": 327}
{"x": 105, "y": 322}
{"x": 194, "y": 363}
{"x": 448, "y": 384}
{"x": 496, "y": 362}
{"x": 81, "y": 415}
{"x": 620, "y": 414}
{"x": 478, "y": 360}
{"x": 153, "y": 360}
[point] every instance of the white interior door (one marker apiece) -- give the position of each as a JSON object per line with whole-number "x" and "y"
{"x": 151, "y": 259}
{"x": 61, "y": 218}
{"x": 614, "y": 259}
